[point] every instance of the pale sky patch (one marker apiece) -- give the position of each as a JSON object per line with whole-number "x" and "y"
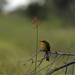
{"x": 14, "y": 4}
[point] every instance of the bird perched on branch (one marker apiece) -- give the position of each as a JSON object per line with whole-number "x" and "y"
{"x": 45, "y": 46}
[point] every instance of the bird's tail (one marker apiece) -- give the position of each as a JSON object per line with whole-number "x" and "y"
{"x": 47, "y": 57}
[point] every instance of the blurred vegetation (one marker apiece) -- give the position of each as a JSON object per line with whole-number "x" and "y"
{"x": 36, "y": 9}
{"x": 2, "y": 4}
{"x": 50, "y": 9}
{"x": 18, "y": 38}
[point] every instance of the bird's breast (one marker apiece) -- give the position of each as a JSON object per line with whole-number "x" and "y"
{"x": 43, "y": 47}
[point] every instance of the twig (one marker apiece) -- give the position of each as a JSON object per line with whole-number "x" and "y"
{"x": 52, "y": 64}
{"x": 65, "y": 61}
{"x": 62, "y": 66}
{"x": 66, "y": 69}
{"x": 15, "y": 66}
{"x": 29, "y": 67}
{"x": 36, "y": 67}
{"x": 47, "y": 65}
{"x": 24, "y": 61}
{"x": 32, "y": 56}
{"x": 73, "y": 68}
{"x": 41, "y": 60}
{"x": 59, "y": 53}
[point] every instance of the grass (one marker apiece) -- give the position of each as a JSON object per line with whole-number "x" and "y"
{"x": 18, "y": 41}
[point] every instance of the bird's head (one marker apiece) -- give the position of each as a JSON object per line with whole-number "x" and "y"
{"x": 43, "y": 42}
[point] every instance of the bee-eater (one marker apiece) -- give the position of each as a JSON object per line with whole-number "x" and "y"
{"x": 45, "y": 46}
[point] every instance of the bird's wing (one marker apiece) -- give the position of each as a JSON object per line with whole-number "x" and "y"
{"x": 48, "y": 46}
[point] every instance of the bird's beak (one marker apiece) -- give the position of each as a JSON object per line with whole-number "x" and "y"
{"x": 40, "y": 41}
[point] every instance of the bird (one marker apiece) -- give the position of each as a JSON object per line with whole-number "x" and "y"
{"x": 45, "y": 46}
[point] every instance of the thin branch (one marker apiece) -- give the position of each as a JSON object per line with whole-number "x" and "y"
{"x": 59, "y": 53}
{"x": 66, "y": 69}
{"x": 47, "y": 65}
{"x": 73, "y": 68}
{"x": 29, "y": 67}
{"x": 52, "y": 64}
{"x": 65, "y": 61}
{"x": 15, "y": 66}
{"x": 39, "y": 64}
{"x": 62, "y": 66}
{"x": 24, "y": 61}
{"x": 41, "y": 59}
{"x": 32, "y": 57}
{"x": 36, "y": 67}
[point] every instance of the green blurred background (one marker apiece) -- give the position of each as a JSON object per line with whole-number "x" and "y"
{"x": 18, "y": 38}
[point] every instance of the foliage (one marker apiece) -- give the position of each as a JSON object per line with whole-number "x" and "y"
{"x": 2, "y": 4}
{"x": 38, "y": 10}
